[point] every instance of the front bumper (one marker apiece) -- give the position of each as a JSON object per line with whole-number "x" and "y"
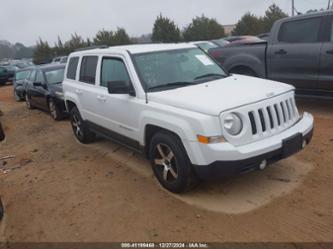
{"x": 225, "y": 159}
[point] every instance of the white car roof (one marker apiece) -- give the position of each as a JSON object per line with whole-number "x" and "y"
{"x": 137, "y": 49}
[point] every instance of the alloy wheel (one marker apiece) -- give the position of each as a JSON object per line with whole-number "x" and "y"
{"x": 27, "y": 101}
{"x": 166, "y": 162}
{"x": 53, "y": 110}
{"x": 76, "y": 123}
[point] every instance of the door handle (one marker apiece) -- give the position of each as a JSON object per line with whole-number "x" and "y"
{"x": 78, "y": 91}
{"x": 101, "y": 98}
{"x": 281, "y": 52}
{"x": 329, "y": 51}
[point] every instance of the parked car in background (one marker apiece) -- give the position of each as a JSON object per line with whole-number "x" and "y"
{"x": 60, "y": 59}
{"x": 243, "y": 39}
{"x": 264, "y": 36}
{"x": 4, "y": 75}
{"x": 176, "y": 105}
{"x": 2, "y": 132}
{"x": 11, "y": 72}
{"x": 205, "y": 45}
{"x": 299, "y": 51}
{"x": 44, "y": 90}
{"x": 19, "y": 83}
{"x": 220, "y": 42}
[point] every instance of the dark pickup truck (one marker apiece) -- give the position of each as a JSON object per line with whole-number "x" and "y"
{"x": 299, "y": 51}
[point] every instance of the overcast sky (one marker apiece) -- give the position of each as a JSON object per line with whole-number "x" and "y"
{"x": 25, "y": 21}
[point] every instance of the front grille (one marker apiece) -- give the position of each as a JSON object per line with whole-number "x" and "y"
{"x": 273, "y": 117}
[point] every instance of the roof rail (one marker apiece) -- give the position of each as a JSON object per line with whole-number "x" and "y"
{"x": 91, "y": 47}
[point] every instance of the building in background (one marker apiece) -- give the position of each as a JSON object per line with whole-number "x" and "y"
{"x": 229, "y": 28}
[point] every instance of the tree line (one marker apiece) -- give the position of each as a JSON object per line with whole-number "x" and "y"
{"x": 164, "y": 30}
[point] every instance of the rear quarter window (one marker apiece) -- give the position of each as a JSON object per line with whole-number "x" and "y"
{"x": 72, "y": 68}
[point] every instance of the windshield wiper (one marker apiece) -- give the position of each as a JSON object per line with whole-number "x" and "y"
{"x": 173, "y": 84}
{"x": 209, "y": 75}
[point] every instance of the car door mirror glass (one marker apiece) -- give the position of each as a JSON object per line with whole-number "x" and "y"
{"x": 39, "y": 84}
{"x": 120, "y": 87}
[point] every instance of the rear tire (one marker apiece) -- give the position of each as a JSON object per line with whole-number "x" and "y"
{"x": 80, "y": 128}
{"x": 170, "y": 163}
{"x": 54, "y": 110}
{"x": 17, "y": 97}
{"x": 28, "y": 102}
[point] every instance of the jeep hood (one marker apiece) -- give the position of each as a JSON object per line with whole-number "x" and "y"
{"x": 217, "y": 96}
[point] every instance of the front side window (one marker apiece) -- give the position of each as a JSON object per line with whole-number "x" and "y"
{"x": 113, "y": 69}
{"x": 88, "y": 69}
{"x": 72, "y": 67}
{"x": 176, "y": 68}
{"x": 300, "y": 31}
{"x": 55, "y": 76}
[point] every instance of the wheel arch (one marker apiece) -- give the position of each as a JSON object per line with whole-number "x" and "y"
{"x": 151, "y": 129}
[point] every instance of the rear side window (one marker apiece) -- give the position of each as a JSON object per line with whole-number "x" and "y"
{"x": 72, "y": 67}
{"x": 113, "y": 69}
{"x": 300, "y": 31}
{"x": 88, "y": 69}
{"x": 40, "y": 77}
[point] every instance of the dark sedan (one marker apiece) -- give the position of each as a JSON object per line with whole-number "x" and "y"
{"x": 4, "y": 75}
{"x": 44, "y": 90}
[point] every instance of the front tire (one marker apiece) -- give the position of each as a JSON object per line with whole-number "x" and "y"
{"x": 54, "y": 111}
{"x": 80, "y": 128}
{"x": 170, "y": 163}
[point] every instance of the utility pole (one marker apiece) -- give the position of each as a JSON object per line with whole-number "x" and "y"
{"x": 329, "y": 4}
{"x": 293, "y": 7}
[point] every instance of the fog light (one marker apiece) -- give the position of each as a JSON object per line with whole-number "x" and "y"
{"x": 263, "y": 165}
{"x": 304, "y": 143}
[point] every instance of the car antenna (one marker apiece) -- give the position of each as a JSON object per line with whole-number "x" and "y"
{"x": 146, "y": 95}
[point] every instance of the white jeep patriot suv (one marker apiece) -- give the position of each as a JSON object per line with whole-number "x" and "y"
{"x": 182, "y": 110}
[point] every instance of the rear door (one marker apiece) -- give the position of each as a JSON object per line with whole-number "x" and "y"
{"x": 326, "y": 60}
{"x": 294, "y": 57}
{"x": 38, "y": 93}
{"x": 86, "y": 90}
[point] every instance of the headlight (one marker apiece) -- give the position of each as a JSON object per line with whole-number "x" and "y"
{"x": 233, "y": 124}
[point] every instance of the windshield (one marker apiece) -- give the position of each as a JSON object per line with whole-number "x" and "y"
{"x": 21, "y": 75}
{"x": 176, "y": 68}
{"x": 55, "y": 76}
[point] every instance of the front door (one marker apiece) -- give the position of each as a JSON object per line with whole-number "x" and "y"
{"x": 295, "y": 57}
{"x": 117, "y": 112}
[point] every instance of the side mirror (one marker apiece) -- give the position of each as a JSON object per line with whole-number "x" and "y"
{"x": 120, "y": 87}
